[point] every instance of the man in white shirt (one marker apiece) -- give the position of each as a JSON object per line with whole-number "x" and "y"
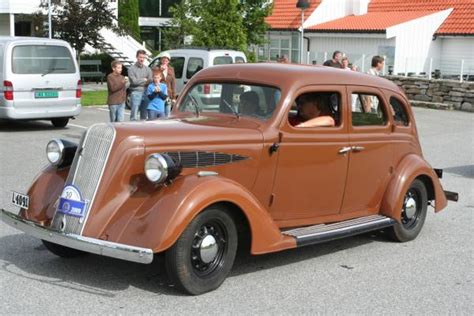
{"x": 377, "y": 66}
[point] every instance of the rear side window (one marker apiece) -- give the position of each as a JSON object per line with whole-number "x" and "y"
{"x": 178, "y": 64}
{"x": 194, "y": 65}
{"x": 239, "y": 60}
{"x": 42, "y": 59}
{"x": 398, "y": 111}
{"x": 367, "y": 110}
{"x": 222, "y": 60}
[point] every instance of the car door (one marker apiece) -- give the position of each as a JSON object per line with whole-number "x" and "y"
{"x": 370, "y": 159}
{"x": 311, "y": 168}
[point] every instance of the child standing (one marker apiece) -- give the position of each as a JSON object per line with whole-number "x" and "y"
{"x": 117, "y": 92}
{"x": 157, "y": 94}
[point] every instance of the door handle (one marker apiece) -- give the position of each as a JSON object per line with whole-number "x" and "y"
{"x": 357, "y": 148}
{"x": 344, "y": 150}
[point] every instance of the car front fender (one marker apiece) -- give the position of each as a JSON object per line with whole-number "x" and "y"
{"x": 410, "y": 168}
{"x": 160, "y": 221}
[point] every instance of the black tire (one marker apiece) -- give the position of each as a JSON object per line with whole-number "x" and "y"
{"x": 62, "y": 251}
{"x": 198, "y": 270}
{"x": 412, "y": 218}
{"x": 128, "y": 101}
{"x": 60, "y": 121}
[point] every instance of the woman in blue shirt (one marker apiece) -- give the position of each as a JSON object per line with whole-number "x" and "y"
{"x": 157, "y": 94}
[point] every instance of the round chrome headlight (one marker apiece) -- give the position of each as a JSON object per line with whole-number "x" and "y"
{"x": 54, "y": 151}
{"x": 60, "y": 152}
{"x": 156, "y": 168}
{"x": 161, "y": 167}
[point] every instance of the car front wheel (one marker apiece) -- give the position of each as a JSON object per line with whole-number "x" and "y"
{"x": 203, "y": 255}
{"x": 413, "y": 213}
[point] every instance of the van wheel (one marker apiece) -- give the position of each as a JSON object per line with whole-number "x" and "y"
{"x": 415, "y": 204}
{"x": 62, "y": 251}
{"x": 203, "y": 255}
{"x": 60, "y": 121}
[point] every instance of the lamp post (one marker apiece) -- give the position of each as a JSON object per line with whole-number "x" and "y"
{"x": 50, "y": 29}
{"x": 302, "y": 5}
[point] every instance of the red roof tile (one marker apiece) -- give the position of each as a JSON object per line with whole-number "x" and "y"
{"x": 460, "y": 21}
{"x": 286, "y": 15}
{"x": 370, "y": 22}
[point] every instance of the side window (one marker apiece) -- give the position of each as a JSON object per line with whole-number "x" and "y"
{"x": 239, "y": 60}
{"x": 222, "y": 60}
{"x": 316, "y": 109}
{"x": 367, "y": 109}
{"x": 194, "y": 65}
{"x": 178, "y": 64}
{"x": 398, "y": 111}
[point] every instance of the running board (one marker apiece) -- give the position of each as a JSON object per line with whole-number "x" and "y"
{"x": 325, "y": 232}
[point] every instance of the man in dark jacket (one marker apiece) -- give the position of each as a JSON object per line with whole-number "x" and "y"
{"x": 335, "y": 61}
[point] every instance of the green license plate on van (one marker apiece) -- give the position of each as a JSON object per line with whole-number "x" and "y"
{"x": 46, "y": 94}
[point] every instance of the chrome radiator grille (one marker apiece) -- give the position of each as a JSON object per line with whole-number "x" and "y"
{"x": 86, "y": 172}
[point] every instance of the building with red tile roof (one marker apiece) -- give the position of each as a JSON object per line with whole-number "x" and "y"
{"x": 414, "y": 35}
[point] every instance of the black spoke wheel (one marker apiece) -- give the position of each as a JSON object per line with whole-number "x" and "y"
{"x": 62, "y": 251}
{"x": 413, "y": 213}
{"x": 203, "y": 255}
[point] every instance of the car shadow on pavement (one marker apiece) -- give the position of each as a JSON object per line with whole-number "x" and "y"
{"x": 26, "y": 126}
{"x": 27, "y": 258}
{"x": 466, "y": 171}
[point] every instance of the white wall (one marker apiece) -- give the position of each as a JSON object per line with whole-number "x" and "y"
{"x": 453, "y": 50}
{"x": 359, "y": 48}
{"x": 19, "y": 6}
{"x": 414, "y": 40}
{"x": 329, "y": 10}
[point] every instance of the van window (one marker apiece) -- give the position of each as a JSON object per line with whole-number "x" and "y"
{"x": 194, "y": 65}
{"x": 222, "y": 60}
{"x": 178, "y": 64}
{"x": 239, "y": 60}
{"x": 42, "y": 59}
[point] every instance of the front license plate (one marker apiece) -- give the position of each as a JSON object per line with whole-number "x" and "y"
{"x": 20, "y": 200}
{"x": 46, "y": 94}
{"x": 71, "y": 207}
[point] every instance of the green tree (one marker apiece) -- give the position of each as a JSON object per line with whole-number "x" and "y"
{"x": 128, "y": 13}
{"x": 79, "y": 22}
{"x": 218, "y": 23}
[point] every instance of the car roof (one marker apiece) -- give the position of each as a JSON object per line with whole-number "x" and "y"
{"x": 26, "y": 40}
{"x": 281, "y": 75}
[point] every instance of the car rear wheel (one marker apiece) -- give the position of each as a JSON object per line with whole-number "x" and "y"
{"x": 62, "y": 251}
{"x": 203, "y": 255}
{"x": 413, "y": 213}
{"x": 60, "y": 121}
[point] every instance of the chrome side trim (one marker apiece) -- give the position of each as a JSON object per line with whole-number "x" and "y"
{"x": 87, "y": 244}
{"x": 207, "y": 173}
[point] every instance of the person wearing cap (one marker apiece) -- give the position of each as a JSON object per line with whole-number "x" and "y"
{"x": 169, "y": 78}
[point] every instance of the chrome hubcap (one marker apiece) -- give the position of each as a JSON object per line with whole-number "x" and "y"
{"x": 410, "y": 207}
{"x": 208, "y": 249}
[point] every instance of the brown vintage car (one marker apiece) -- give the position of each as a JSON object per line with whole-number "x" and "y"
{"x": 284, "y": 156}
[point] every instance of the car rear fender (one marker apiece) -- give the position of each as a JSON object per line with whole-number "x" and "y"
{"x": 410, "y": 168}
{"x": 172, "y": 209}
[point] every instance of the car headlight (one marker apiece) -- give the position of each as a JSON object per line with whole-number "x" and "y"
{"x": 60, "y": 152}
{"x": 160, "y": 168}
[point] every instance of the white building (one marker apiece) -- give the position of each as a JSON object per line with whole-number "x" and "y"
{"x": 415, "y": 36}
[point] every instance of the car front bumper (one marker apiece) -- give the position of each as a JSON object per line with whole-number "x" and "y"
{"x": 87, "y": 244}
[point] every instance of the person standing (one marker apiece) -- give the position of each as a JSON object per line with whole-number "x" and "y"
{"x": 140, "y": 76}
{"x": 169, "y": 78}
{"x": 377, "y": 66}
{"x": 117, "y": 92}
{"x": 157, "y": 94}
{"x": 335, "y": 62}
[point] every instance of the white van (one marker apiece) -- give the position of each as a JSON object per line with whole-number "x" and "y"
{"x": 39, "y": 79}
{"x": 188, "y": 61}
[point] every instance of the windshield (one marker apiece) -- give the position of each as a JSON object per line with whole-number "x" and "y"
{"x": 232, "y": 98}
{"x": 42, "y": 59}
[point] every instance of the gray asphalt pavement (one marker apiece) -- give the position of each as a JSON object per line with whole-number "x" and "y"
{"x": 361, "y": 275}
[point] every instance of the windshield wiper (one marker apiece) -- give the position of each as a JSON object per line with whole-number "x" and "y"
{"x": 237, "y": 115}
{"x": 196, "y": 105}
{"x": 51, "y": 70}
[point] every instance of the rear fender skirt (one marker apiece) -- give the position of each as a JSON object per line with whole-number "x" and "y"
{"x": 410, "y": 168}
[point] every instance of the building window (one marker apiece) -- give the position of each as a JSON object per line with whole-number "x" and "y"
{"x": 156, "y": 8}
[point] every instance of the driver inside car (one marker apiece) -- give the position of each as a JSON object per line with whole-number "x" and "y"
{"x": 313, "y": 111}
